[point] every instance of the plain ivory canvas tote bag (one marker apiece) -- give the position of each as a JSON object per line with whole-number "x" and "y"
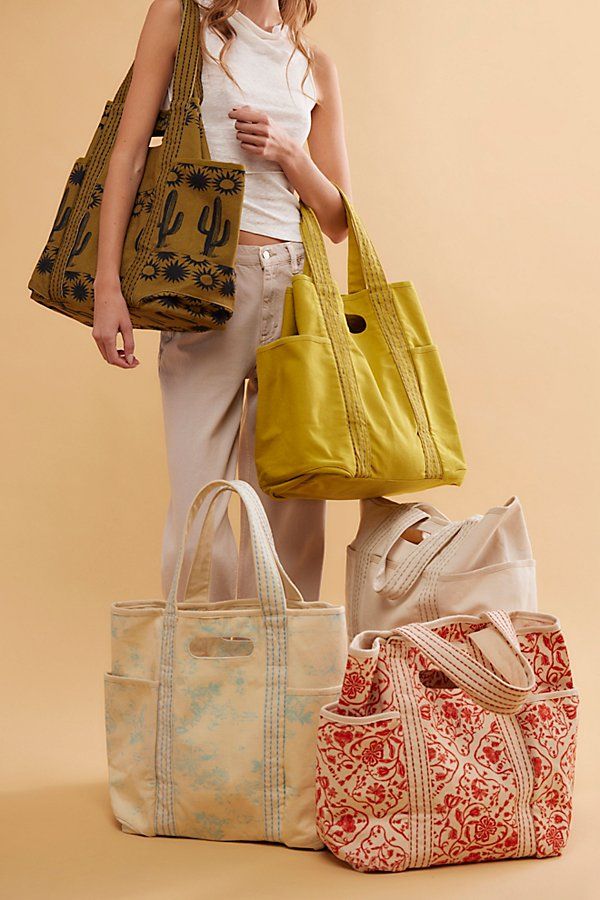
{"x": 212, "y": 708}
{"x": 467, "y": 566}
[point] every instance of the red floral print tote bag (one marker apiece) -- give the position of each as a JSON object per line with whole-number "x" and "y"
{"x": 453, "y": 741}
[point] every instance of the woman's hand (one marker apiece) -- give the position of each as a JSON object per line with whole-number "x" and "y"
{"x": 111, "y": 316}
{"x": 258, "y": 134}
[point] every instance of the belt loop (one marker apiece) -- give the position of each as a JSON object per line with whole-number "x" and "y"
{"x": 294, "y": 256}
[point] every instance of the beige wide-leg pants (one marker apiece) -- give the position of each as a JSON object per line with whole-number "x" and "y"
{"x": 209, "y": 394}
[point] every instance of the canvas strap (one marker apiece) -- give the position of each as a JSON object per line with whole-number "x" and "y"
{"x": 365, "y": 271}
{"x": 490, "y": 690}
{"x": 179, "y": 132}
{"x": 273, "y": 606}
{"x": 197, "y": 588}
{"x": 393, "y": 583}
{"x": 332, "y": 310}
{"x": 486, "y": 689}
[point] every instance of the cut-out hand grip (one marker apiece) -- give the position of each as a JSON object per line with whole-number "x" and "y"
{"x": 211, "y": 647}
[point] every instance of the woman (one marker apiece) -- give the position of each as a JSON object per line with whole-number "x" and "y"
{"x": 266, "y": 92}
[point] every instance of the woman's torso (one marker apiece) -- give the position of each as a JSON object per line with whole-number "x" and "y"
{"x": 257, "y": 60}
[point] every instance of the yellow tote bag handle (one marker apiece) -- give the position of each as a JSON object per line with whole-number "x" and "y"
{"x": 332, "y": 309}
{"x": 364, "y": 271}
{"x": 364, "y": 266}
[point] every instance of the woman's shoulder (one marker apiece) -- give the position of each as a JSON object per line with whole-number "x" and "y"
{"x": 324, "y": 70}
{"x": 167, "y": 12}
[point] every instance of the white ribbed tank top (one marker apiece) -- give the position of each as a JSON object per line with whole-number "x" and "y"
{"x": 257, "y": 59}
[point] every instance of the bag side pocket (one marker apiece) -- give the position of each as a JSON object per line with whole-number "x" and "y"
{"x": 440, "y": 411}
{"x": 130, "y": 716}
{"x": 302, "y": 720}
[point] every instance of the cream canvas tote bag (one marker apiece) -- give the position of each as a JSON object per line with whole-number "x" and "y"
{"x": 469, "y": 566}
{"x": 212, "y": 708}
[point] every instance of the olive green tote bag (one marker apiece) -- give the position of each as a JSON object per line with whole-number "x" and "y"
{"x": 352, "y": 398}
{"x": 178, "y": 256}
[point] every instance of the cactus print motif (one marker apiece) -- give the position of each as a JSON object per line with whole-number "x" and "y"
{"x": 193, "y": 217}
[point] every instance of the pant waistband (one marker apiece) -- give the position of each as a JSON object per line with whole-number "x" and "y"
{"x": 267, "y": 255}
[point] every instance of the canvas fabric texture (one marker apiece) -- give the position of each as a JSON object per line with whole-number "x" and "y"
{"x": 177, "y": 267}
{"x": 453, "y": 741}
{"x": 361, "y": 400}
{"x": 212, "y": 708}
{"x": 465, "y": 566}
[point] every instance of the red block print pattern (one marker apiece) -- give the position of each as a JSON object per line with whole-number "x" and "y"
{"x": 411, "y": 775}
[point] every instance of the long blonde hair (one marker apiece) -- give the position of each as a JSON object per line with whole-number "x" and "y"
{"x": 296, "y": 14}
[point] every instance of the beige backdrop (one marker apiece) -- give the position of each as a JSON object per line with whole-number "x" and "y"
{"x": 474, "y": 136}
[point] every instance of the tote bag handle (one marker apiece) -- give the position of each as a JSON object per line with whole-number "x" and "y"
{"x": 364, "y": 270}
{"x": 199, "y": 578}
{"x": 402, "y": 579}
{"x": 500, "y": 644}
{"x": 181, "y": 136}
{"x": 271, "y": 591}
{"x": 187, "y": 82}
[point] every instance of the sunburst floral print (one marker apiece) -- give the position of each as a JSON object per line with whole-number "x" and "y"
{"x": 150, "y": 271}
{"x": 80, "y": 291}
{"x": 227, "y": 182}
{"x": 96, "y": 196}
{"x": 166, "y": 254}
{"x": 161, "y": 122}
{"x": 71, "y": 276}
{"x": 198, "y": 311}
{"x": 227, "y": 287}
{"x": 175, "y": 176}
{"x": 198, "y": 179}
{"x": 206, "y": 280}
{"x": 138, "y": 206}
{"x": 77, "y": 173}
{"x": 148, "y": 197}
{"x": 174, "y": 271}
{"x": 220, "y": 315}
{"x": 169, "y": 302}
{"x": 225, "y": 270}
{"x": 45, "y": 263}
{"x": 192, "y": 114}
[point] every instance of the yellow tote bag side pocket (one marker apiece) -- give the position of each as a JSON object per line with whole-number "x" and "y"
{"x": 440, "y": 411}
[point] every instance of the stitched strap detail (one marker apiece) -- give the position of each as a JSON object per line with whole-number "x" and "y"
{"x": 428, "y": 604}
{"x": 187, "y": 75}
{"x": 361, "y": 571}
{"x": 418, "y": 775}
{"x": 164, "y": 812}
{"x": 198, "y": 583}
{"x": 488, "y": 689}
{"x": 187, "y": 65}
{"x": 403, "y": 578}
{"x": 524, "y": 783}
{"x": 332, "y": 309}
{"x": 271, "y": 595}
{"x": 392, "y": 328}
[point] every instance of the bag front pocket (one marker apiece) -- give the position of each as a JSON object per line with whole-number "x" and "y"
{"x": 130, "y": 716}
{"x": 302, "y": 425}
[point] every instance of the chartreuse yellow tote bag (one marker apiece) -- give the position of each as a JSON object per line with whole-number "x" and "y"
{"x": 352, "y": 398}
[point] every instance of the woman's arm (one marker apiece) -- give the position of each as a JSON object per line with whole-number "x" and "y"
{"x": 314, "y": 177}
{"x": 152, "y": 71}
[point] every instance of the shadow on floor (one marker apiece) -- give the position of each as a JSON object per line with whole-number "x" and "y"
{"x": 61, "y": 842}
